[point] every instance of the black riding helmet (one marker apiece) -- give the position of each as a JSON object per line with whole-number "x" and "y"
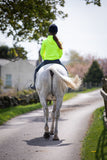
{"x": 53, "y": 29}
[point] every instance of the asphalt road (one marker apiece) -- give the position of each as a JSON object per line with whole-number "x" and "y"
{"x": 22, "y": 137}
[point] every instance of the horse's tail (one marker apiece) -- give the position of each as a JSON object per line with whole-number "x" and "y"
{"x": 73, "y": 83}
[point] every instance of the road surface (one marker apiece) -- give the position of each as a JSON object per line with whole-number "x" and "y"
{"x": 22, "y": 137}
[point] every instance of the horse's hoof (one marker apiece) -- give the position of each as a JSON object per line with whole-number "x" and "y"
{"x": 51, "y": 133}
{"x": 46, "y": 135}
{"x": 55, "y": 138}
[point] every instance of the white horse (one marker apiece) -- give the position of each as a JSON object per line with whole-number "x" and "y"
{"x": 51, "y": 84}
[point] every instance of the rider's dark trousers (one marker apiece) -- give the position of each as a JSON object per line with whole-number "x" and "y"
{"x": 44, "y": 63}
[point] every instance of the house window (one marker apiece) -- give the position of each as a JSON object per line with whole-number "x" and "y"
{"x": 8, "y": 80}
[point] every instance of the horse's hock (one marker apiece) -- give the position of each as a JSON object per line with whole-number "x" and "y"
{"x": 104, "y": 94}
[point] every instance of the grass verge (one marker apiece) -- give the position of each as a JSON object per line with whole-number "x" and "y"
{"x": 8, "y": 113}
{"x": 90, "y": 90}
{"x": 11, "y": 112}
{"x": 69, "y": 96}
{"x": 95, "y": 143}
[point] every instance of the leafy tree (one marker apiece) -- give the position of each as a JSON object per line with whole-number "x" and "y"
{"x": 96, "y": 2}
{"x": 3, "y": 51}
{"x": 78, "y": 64}
{"x": 103, "y": 64}
{"x": 74, "y": 57}
{"x": 28, "y": 19}
{"x": 94, "y": 74}
{"x": 12, "y": 53}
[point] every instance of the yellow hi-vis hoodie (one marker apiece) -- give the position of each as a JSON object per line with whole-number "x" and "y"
{"x": 50, "y": 49}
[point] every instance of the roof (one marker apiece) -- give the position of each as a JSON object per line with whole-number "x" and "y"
{"x": 3, "y": 62}
{"x": 33, "y": 62}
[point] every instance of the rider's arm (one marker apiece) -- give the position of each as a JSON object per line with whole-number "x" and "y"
{"x": 42, "y": 51}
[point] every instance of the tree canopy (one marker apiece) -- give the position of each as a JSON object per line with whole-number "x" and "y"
{"x": 95, "y": 2}
{"x": 28, "y": 19}
{"x": 74, "y": 57}
{"x": 12, "y": 53}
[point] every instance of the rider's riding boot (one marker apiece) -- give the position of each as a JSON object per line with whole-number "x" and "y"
{"x": 32, "y": 86}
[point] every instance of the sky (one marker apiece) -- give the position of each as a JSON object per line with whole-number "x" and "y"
{"x": 84, "y": 31}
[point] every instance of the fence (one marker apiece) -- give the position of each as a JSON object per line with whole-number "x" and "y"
{"x": 104, "y": 93}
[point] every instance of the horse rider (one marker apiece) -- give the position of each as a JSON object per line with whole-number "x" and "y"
{"x": 51, "y": 50}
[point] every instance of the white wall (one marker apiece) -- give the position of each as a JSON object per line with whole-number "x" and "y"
{"x": 22, "y": 73}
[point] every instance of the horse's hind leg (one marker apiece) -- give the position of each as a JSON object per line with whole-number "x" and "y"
{"x": 46, "y": 114}
{"x": 53, "y": 118}
{"x": 57, "y": 114}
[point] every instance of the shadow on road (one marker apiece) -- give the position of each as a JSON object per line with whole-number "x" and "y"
{"x": 75, "y": 105}
{"x": 40, "y": 141}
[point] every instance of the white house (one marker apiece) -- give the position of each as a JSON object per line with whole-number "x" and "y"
{"x": 18, "y": 74}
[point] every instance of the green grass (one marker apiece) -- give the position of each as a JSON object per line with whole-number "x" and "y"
{"x": 95, "y": 142}
{"x": 11, "y": 112}
{"x": 69, "y": 96}
{"x": 8, "y": 113}
{"x": 90, "y": 90}
{"x": 73, "y": 94}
